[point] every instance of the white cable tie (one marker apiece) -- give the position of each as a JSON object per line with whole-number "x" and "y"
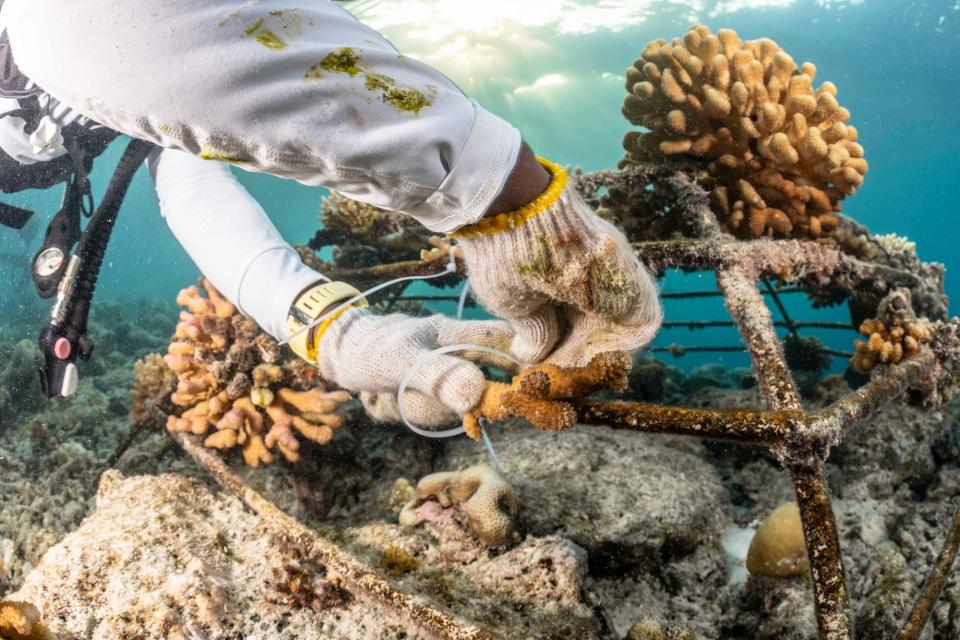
{"x": 463, "y": 299}
{"x": 489, "y": 445}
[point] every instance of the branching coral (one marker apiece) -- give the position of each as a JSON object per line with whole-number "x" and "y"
{"x": 779, "y": 151}
{"x": 538, "y": 393}
{"x": 230, "y": 378}
{"x": 894, "y": 335}
{"x": 487, "y": 499}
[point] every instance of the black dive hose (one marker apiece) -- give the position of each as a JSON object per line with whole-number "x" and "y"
{"x": 64, "y": 339}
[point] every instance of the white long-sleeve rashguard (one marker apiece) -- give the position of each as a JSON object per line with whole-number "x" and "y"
{"x": 230, "y": 238}
{"x": 301, "y": 90}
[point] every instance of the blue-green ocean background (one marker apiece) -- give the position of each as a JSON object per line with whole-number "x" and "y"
{"x": 555, "y": 68}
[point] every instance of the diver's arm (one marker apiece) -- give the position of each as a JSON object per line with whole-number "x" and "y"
{"x": 229, "y": 237}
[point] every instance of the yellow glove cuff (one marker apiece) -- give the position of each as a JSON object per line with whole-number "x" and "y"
{"x": 514, "y": 219}
{"x": 310, "y": 305}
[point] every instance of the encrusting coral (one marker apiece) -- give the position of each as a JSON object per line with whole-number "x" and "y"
{"x": 779, "y": 152}
{"x": 893, "y": 336}
{"x": 778, "y": 549}
{"x": 538, "y": 393}
{"x": 488, "y": 500}
{"x": 231, "y": 378}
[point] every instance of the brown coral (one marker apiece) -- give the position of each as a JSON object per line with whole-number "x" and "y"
{"x": 537, "y": 393}
{"x": 488, "y": 500}
{"x": 229, "y": 379}
{"x": 780, "y": 152}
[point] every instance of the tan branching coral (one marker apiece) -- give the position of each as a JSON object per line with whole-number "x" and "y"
{"x": 538, "y": 393}
{"x": 895, "y": 335}
{"x": 779, "y": 151}
{"x": 230, "y": 379}
{"x": 488, "y": 500}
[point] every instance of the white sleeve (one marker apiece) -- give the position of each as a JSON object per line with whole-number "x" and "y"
{"x": 229, "y": 237}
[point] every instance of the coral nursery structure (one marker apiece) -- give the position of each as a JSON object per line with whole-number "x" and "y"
{"x": 233, "y": 383}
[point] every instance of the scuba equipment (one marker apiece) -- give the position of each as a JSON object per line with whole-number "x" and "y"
{"x": 64, "y": 340}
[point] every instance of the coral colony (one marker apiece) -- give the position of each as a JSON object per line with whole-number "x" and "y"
{"x": 740, "y": 170}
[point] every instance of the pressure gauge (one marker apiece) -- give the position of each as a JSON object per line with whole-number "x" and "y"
{"x": 49, "y": 262}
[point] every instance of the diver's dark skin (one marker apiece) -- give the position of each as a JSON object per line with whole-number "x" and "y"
{"x": 527, "y": 181}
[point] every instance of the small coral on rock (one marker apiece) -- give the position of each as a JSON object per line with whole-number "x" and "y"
{"x": 779, "y": 152}
{"x": 487, "y": 499}
{"x": 231, "y": 378}
{"x": 778, "y": 550}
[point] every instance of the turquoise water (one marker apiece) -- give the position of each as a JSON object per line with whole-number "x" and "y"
{"x": 554, "y": 68}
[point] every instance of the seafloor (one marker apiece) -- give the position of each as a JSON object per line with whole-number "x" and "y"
{"x": 620, "y": 528}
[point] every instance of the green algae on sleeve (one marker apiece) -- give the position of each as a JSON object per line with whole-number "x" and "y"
{"x": 265, "y": 35}
{"x": 347, "y": 60}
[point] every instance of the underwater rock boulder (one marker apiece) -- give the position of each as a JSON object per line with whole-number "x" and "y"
{"x": 629, "y": 500}
{"x": 165, "y": 556}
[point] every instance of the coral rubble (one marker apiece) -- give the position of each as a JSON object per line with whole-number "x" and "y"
{"x": 779, "y": 152}
{"x": 231, "y": 378}
{"x": 486, "y": 498}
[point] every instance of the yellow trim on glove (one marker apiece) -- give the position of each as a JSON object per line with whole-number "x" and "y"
{"x": 312, "y": 304}
{"x": 514, "y": 219}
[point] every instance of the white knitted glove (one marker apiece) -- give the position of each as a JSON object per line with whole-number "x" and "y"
{"x": 370, "y": 354}
{"x": 565, "y": 279}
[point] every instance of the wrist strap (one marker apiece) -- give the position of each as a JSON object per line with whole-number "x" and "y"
{"x": 514, "y": 219}
{"x": 309, "y": 306}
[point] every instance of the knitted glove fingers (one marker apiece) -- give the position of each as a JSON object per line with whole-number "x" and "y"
{"x": 421, "y": 410}
{"x": 488, "y": 333}
{"x": 536, "y": 334}
{"x": 455, "y": 382}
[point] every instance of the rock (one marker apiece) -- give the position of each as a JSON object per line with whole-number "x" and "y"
{"x": 166, "y": 557}
{"x": 630, "y": 500}
{"x": 534, "y": 590}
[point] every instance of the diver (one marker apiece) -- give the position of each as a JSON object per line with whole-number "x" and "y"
{"x": 306, "y": 92}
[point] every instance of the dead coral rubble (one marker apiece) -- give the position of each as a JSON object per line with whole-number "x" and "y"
{"x": 232, "y": 379}
{"x": 779, "y": 152}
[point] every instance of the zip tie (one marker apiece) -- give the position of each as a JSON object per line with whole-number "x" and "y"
{"x": 490, "y": 450}
{"x": 463, "y": 299}
{"x": 450, "y": 268}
